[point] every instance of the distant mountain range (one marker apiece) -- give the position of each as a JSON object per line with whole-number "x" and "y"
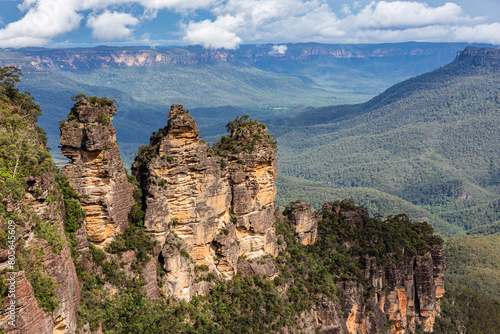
{"x": 433, "y": 141}
{"x": 257, "y": 79}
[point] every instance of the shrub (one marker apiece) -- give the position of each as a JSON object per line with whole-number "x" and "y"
{"x": 44, "y": 290}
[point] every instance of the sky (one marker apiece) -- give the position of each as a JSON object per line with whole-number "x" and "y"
{"x": 227, "y": 24}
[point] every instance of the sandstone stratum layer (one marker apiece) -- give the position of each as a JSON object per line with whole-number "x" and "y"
{"x": 96, "y": 170}
{"x": 215, "y": 205}
{"x": 39, "y": 212}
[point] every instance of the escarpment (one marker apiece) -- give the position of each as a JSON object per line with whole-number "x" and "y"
{"x": 391, "y": 270}
{"x": 39, "y": 290}
{"x": 96, "y": 170}
{"x": 208, "y": 207}
{"x": 44, "y": 265}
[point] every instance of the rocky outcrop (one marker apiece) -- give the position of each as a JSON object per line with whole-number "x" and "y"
{"x": 96, "y": 170}
{"x": 397, "y": 297}
{"x": 304, "y": 220}
{"x": 476, "y": 56}
{"x": 408, "y": 296}
{"x": 249, "y": 155}
{"x": 207, "y": 207}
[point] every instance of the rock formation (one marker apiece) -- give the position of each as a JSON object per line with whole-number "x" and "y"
{"x": 211, "y": 213}
{"x": 400, "y": 295}
{"x": 207, "y": 207}
{"x": 96, "y": 170}
{"x": 408, "y": 296}
{"x": 305, "y": 221}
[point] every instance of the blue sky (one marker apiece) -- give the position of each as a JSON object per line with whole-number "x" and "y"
{"x": 230, "y": 23}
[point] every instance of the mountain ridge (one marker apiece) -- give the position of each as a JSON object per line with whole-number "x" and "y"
{"x": 422, "y": 129}
{"x": 144, "y": 56}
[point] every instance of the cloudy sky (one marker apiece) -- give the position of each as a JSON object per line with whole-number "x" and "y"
{"x": 229, "y": 23}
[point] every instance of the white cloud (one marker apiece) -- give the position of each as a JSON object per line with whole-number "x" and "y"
{"x": 42, "y": 21}
{"x": 400, "y": 14}
{"x": 278, "y": 49}
{"x": 110, "y": 26}
{"x": 178, "y": 5}
{"x": 254, "y": 21}
{"x": 483, "y": 33}
{"x": 216, "y": 34}
{"x": 264, "y": 21}
{"x": 47, "y": 19}
{"x": 268, "y": 21}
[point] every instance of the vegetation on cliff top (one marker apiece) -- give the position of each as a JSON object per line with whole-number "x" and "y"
{"x": 246, "y": 135}
{"x": 93, "y": 100}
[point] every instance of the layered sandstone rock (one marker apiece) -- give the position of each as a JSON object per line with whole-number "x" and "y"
{"x": 407, "y": 295}
{"x": 250, "y": 156}
{"x": 305, "y": 222}
{"x": 44, "y": 205}
{"x": 96, "y": 170}
{"x": 399, "y": 297}
{"x": 206, "y": 207}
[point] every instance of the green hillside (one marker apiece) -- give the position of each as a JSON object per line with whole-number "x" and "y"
{"x": 475, "y": 263}
{"x": 467, "y": 311}
{"x": 433, "y": 141}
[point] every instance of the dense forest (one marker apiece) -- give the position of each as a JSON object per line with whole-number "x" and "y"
{"x": 431, "y": 140}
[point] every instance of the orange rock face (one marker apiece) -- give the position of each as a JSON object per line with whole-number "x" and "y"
{"x": 409, "y": 294}
{"x": 305, "y": 221}
{"x": 218, "y": 203}
{"x": 96, "y": 170}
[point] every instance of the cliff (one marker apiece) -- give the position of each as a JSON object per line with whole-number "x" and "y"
{"x": 38, "y": 283}
{"x": 471, "y": 55}
{"x": 96, "y": 170}
{"x": 218, "y": 203}
{"x": 399, "y": 269}
{"x": 103, "y": 57}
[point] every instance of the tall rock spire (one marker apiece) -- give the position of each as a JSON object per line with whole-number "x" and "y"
{"x": 96, "y": 170}
{"x": 207, "y": 207}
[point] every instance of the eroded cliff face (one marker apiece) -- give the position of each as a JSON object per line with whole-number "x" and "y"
{"x": 398, "y": 296}
{"x": 206, "y": 208}
{"x": 407, "y": 294}
{"x": 96, "y": 170}
{"x": 305, "y": 221}
{"x": 104, "y": 57}
{"x": 43, "y": 255}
